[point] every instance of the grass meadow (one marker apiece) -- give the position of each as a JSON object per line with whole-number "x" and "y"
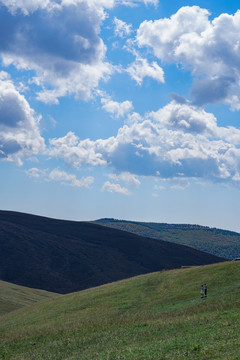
{"x": 157, "y": 316}
{"x": 13, "y": 297}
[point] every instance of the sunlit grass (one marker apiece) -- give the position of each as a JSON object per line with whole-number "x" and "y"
{"x": 156, "y": 316}
{"x": 13, "y": 297}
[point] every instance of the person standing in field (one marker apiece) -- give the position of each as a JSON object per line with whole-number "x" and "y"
{"x": 202, "y": 291}
{"x": 205, "y": 290}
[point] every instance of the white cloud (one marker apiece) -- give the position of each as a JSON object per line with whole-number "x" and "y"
{"x": 71, "y": 179}
{"x": 167, "y": 37}
{"x": 193, "y": 119}
{"x": 127, "y": 177}
{"x": 19, "y": 131}
{"x": 209, "y": 49}
{"x": 58, "y": 43}
{"x": 76, "y": 153}
{"x": 133, "y": 117}
{"x": 27, "y": 6}
{"x": 186, "y": 117}
{"x": 121, "y": 28}
{"x": 115, "y": 188}
{"x": 178, "y": 141}
{"x": 141, "y": 69}
{"x": 61, "y": 45}
{"x": 115, "y": 108}
{"x": 36, "y": 173}
{"x": 60, "y": 175}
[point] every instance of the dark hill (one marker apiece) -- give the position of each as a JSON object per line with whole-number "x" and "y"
{"x": 66, "y": 256}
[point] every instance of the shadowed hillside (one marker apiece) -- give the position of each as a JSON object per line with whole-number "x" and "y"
{"x": 214, "y": 241}
{"x": 156, "y": 316}
{"x": 66, "y": 256}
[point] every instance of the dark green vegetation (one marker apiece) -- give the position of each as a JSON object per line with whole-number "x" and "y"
{"x": 13, "y": 297}
{"x": 218, "y": 242}
{"x": 66, "y": 256}
{"x": 151, "y": 317}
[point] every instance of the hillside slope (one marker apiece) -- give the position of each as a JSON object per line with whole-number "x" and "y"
{"x": 214, "y": 241}
{"x": 66, "y": 256}
{"x": 13, "y": 297}
{"x": 151, "y": 317}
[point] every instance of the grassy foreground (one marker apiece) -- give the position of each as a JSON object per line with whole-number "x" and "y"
{"x": 151, "y": 317}
{"x": 13, "y": 297}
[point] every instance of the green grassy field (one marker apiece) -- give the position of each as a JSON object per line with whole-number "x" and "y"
{"x": 151, "y": 317}
{"x": 13, "y": 297}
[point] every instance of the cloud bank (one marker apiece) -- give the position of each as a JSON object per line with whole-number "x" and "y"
{"x": 59, "y": 44}
{"x": 177, "y": 141}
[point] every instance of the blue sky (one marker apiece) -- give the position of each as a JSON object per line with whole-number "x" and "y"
{"x": 121, "y": 108}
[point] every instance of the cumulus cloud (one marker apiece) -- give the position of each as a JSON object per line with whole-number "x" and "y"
{"x": 209, "y": 49}
{"x": 60, "y": 175}
{"x": 19, "y": 129}
{"x": 121, "y": 28}
{"x": 141, "y": 69}
{"x": 71, "y": 179}
{"x": 75, "y": 152}
{"x": 186, "y": 117}
{"x": 60, "y": 43}
{"x": 27, "y": 6}
{"x": 133, "y": 118}
{"x": 116, "y": 109}
{"x": 178, "y": 141}
{"x": 193, "y": 119}
{"x": 167, "y": 37}
{"x": 115, "y": 188}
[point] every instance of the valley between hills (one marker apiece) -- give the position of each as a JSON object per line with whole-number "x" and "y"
{"x": 88, "y": 291}
{"x": 157, "y": 316}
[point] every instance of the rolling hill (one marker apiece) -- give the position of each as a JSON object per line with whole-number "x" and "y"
{"x": 157, "y": 316}
{"x": 13, "y": 297}
{"x": 218, "y": 242}
{"x": 66, "y": 256}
